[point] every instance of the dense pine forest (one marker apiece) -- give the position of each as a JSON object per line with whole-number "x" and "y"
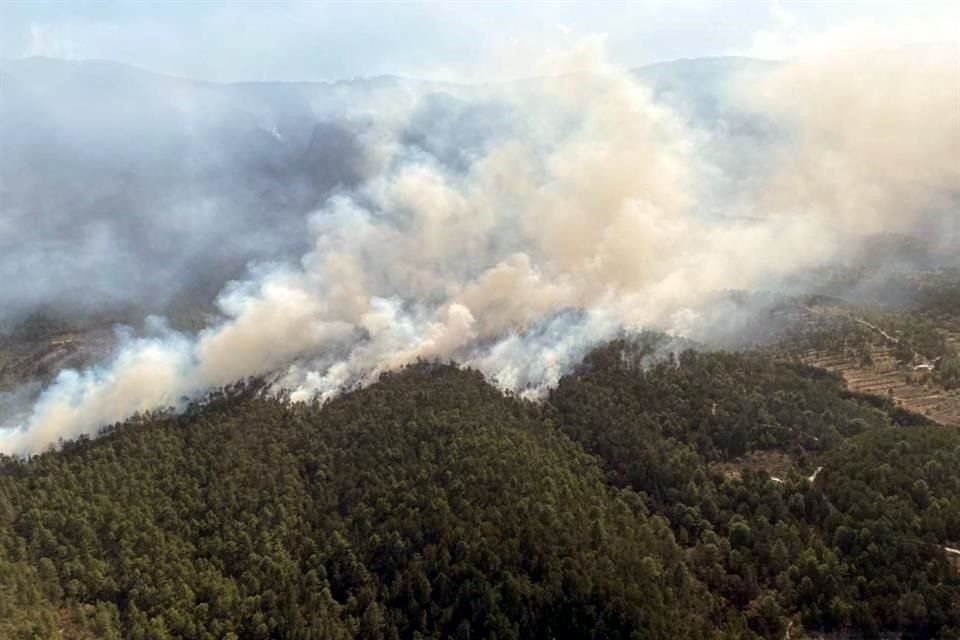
{"x": 651, "y": 495}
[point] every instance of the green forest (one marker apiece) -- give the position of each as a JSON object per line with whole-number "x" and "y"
{"x": 432, "y": 505}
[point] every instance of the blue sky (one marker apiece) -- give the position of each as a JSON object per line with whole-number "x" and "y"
{"x": 231, "y": 41}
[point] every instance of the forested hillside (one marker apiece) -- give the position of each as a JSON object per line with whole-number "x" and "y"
{"x": 431, "y": 505}
{"x": 839, "y": 547}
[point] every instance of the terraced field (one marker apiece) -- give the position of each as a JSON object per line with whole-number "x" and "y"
{"x": 912, "y": 389}
{"x": 835, "y": 337}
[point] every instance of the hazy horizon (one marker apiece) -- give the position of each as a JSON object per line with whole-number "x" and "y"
{"x": 361, "y": 78}
{"x": 468, "y": 41}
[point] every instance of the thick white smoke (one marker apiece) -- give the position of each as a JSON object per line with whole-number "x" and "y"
{"x": 585, "y": 215}
{"x": 870, "y": 138}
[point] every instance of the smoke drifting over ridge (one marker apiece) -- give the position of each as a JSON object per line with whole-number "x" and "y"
{"x": 580, "y": 207}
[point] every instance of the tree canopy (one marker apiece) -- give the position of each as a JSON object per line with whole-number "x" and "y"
{"x": 432, "y": 505}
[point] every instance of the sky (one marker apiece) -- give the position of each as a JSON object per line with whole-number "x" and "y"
{"x": 463, "y": 41}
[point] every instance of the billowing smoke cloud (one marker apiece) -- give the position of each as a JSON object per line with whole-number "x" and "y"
{"x": 580, "y": 208}
{"x": 870, "y": 139}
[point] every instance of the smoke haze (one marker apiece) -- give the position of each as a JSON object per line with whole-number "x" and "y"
{"x": 509, "y": 227}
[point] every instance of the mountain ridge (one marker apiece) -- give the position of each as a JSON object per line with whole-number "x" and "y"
{"x": 719, "y": 60}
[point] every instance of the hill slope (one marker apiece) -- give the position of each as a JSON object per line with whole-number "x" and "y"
{"x": 426, "y": 504}
{"x": 431, "y": 505}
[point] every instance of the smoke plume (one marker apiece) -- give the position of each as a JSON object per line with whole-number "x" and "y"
{"x": 870, "y": 139}
{"x": 537, "y": 219}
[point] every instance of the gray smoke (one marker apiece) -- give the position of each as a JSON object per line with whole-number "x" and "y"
{"x": 513, "y": 227}
{"x": 121, "y": 188}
